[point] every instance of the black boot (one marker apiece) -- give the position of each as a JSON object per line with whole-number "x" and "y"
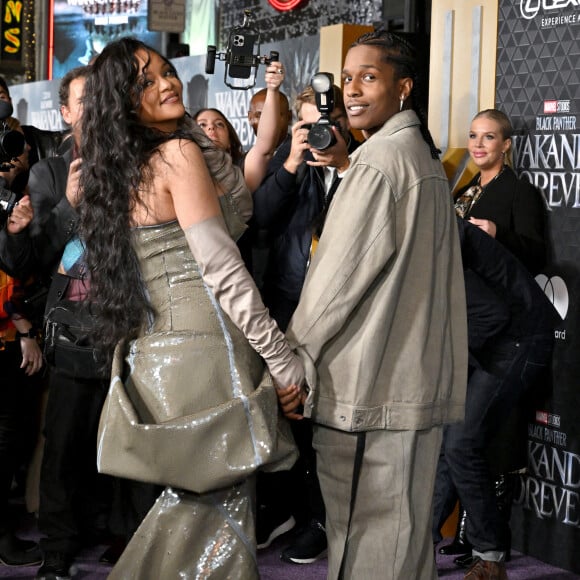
{"x": 17, "y": 552}
{"x": 504, "y": 491}
{"x": 460, "y": 544}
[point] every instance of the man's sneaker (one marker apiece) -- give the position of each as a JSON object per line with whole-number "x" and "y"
{"x": 271, "y": 525}
{"x": 309, "y": 545}
{"x": 56, "y": 566}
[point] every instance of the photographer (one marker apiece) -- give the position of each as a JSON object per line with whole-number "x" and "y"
{"x": 291, "y": 204}
{"x": 13, "y": 178}
{"x": 16, "y": 252}
{"x": 293, "y": 199}
{"x": 20, "y": 358}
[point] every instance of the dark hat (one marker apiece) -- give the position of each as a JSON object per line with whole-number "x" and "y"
{"x": 4, "y": 85}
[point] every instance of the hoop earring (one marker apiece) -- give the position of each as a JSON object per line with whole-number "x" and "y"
{"x": 401, "y": 102}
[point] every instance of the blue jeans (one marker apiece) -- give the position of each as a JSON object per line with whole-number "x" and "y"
{"x": 508, "y": 369}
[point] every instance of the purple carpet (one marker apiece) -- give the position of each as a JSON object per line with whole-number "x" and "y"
{"x": 521, "y": 567}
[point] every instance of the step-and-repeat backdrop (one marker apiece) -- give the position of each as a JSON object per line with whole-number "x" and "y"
{"x": 538, "y": 87}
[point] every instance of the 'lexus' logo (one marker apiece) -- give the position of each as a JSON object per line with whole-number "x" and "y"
{"x": 555, "y": 289}
{"x": 530, "y": 8}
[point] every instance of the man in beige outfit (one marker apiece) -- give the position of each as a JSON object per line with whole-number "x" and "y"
{"x": 381, "y": 328}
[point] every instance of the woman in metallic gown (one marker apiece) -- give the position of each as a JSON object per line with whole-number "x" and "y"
{"x": 191, "y": 404}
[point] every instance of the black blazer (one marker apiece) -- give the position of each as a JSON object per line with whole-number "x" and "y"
{"x": 518, "y": 210}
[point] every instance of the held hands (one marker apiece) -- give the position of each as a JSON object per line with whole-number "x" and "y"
{"x": 20, "y": 217}
{"x": 73, "y": 192}
{"x": 274, "y": 75}
{"x": 487, "y": 226}
{"x": 291, "y": 399}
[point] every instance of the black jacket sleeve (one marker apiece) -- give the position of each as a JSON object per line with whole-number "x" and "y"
{"x": 526, "y": 239}
{"x": 16, "y": 256}
{"x": 530, "y": 312}
{"x": 277, "y": 191}
{"x": 55, "y": 220}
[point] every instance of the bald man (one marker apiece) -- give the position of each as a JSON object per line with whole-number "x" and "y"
{"x": 255, "y": 112}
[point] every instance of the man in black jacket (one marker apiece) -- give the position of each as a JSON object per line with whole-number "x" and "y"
{"x": 291, "y": 204}
{"x": 510, "y": 335}
{"x": 293, "y": 199}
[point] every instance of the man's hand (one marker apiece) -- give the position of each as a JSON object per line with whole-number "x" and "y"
{"x": 20, "y": 217}
{"x": 31, "y": 356}
{"x": 291, "y": 399}
{"x": 298, "y": 148}
{"x": 335, "y": 156}
{"x": 73, "y": 193}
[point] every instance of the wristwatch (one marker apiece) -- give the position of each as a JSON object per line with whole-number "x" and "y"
{"x": 30, "y": 333}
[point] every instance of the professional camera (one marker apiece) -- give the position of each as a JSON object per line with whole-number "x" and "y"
{"x": 242, "y": 55}
{"x": 320, "y": 134}
{"x": 12, "y": 143}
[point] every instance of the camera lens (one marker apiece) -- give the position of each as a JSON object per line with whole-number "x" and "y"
{"x": 321, "y": 137}
{"x": 11, "y": 145}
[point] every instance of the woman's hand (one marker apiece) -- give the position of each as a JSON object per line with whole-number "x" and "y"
{"x": 291, "y": 399}
{"x": 268, "y": 132}
{"x": 487, "y": 226}
{"x": 274, "y": 75}
{"x": 31, "y": 355}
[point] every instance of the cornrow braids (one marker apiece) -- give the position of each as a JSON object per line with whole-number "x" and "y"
{"x": 401, "y": 55}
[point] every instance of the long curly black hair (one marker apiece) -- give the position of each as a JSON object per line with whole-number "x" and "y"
{"x": 401, "y": 55}
{"x": 115, "y": 149}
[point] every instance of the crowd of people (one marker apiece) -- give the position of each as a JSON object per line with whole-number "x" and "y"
{"x": 239, "y": 343}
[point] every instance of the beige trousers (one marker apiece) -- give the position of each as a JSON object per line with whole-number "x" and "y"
{"x": 390, "y": 531}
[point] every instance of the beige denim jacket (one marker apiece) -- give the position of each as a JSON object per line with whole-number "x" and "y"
{"x": 381, "y": 324}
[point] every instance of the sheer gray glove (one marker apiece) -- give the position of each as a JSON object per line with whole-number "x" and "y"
{"x": 223, "y": 270}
